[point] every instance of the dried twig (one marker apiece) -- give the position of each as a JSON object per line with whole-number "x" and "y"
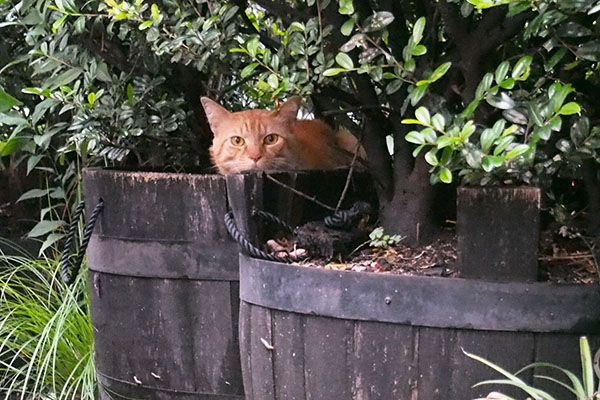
{"x": 299, "y": 193}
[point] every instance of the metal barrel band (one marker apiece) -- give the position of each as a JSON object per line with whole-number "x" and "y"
{"x": 72, "y": 262}
{"x": 247, "y": 247}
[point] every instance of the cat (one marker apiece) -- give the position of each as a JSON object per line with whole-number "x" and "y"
{"x": 259, "y": 140}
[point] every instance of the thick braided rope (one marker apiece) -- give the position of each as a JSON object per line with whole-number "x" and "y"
{"x": 343, "y": 219}
{"x": 275, "y": 219}
{"x": 246, "y": 246}
{"x": 65, "y": 259}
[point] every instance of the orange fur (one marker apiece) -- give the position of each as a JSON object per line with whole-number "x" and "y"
{"x": 299, "y": 144}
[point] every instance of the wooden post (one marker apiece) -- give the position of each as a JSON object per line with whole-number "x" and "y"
{"x": 498, "y": 233}
{"x": 245, "y": 195}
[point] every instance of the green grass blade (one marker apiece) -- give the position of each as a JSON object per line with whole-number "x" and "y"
{"x": 587, "y": 369}
{"x": 535, "y": 393}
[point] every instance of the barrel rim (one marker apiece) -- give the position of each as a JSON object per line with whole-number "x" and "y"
{"x": 421, "y": 301}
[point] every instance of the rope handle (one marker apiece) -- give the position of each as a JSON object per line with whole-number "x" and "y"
{"x": 71, "y": 261}
{"x": 345, "y": 219}
{"x": 247, "y": 247}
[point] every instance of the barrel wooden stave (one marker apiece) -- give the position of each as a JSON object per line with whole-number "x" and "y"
{"x": 316, "y": 355}
{"x": 327, "y": 358}
{"x": 164, "y": 288}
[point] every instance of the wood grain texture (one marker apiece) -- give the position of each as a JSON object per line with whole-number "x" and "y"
{"x": 166, "y": 334}
{"x": 288, "y": 355}
{"x": 343, "y": 358}
{"x": 163, "y": 291}
{"x": 498, "y": 233}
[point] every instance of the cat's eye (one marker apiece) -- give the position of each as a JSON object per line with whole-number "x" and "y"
{"x": 237, "y": 141}
{"x": 271, "y": 138}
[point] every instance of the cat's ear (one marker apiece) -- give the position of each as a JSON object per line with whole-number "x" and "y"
{"x": 289, "y": 109}
{"x": 214, "y": 112}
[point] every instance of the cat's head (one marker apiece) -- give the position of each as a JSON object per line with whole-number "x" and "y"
{"x": 252, "y": 139}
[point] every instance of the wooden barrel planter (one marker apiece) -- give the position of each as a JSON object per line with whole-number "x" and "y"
{"x": 163, "y": 287}
{"x": 309, "y": 333}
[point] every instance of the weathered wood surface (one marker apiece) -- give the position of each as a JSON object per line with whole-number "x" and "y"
{"x": 498, "y": 233}
{"x": 163, "y": 287}
{"x": 160, "y": 225}
{"x": 291, "y": 350}
{"x": 423, "y": 301}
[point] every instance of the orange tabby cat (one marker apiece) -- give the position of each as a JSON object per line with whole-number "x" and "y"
{"x": 275, "y": 140}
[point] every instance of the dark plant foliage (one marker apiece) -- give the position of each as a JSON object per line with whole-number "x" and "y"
{"x": 500, "y": 92}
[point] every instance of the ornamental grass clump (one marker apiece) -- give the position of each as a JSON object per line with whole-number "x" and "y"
{"x": 46, "y": 341}
{"x": 585, "y": 388}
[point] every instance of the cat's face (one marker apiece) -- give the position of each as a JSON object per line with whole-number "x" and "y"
{"x": 253, "y": 139}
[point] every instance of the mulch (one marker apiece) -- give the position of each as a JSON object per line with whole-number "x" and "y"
{"x": 561, "y": 260}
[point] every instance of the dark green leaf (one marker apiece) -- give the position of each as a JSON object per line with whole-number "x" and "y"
{"x": 488, "y": 136}
{"x": 248, "y": 69}
{"x": 515, "y": 116}
{"x": 517, "y": 151}
{"x": 560, "y": 53}
{"x": 521, "y": 69}
{"x": 145, "y": 25}
{"x": 501, "y": 72}
{"x": 564, "y": 145}
{"x": 155, "y": 12}
{"x": 419, "y": 50}
{"x": 502, "y": 144}
{"x": 422, "y": 114}
{"x": 415, "y": 137}
{"x": 378, "y": 21}
{"x": 44, "y": 227}
{"x": 33, "y": 194}
{"x": 572, "y": 29}
{"x": 502, "y": 101}
{"x": 440, "y": 71}
{"x": 580, "y": 130}
{"x": 58, "y": 23}
{"x": 356, "y": 40}
{"x": 32, "y": 162}
{"x": 444, "y": 141}
{"x": 438, "y": 122}
{"x": 431, "y": 158}
{"x": 446, "y": 175}
{"x": 344, "y": 61}
{"x": 333, "y": 71}
{"x": 64, "y": 78}
{"x": 418, "y": 29}
{"x": 472, "y": 155}
{"x": 507, "y": 83}
{"x": 130, "y": 94}
{"x": 417, "y": 94}
{"x": 7, "y": 101}
{"x": 393, "y": 86}
{"x": 535, "y": 114}
{"x": 347, "y": 28}
{"x": 570, "y": 108}
{"x": 346, "y": 7}
{"x": 488, "y": 163}
{"x": 484, "y": 85}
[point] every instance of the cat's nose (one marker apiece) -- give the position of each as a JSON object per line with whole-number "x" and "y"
{"x": 255, "y": 158}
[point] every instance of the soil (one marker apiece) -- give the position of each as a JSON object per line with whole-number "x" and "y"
{"x": 561, "y": 260}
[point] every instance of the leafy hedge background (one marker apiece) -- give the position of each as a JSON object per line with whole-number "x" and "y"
{"x": 480, "y": 92}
